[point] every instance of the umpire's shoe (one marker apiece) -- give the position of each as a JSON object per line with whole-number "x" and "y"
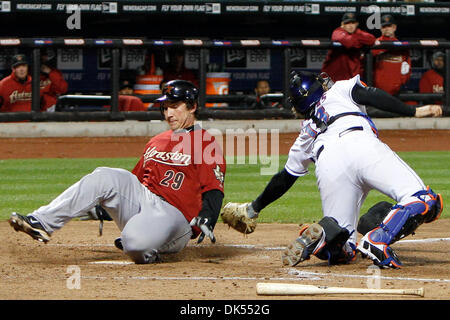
{"x": 382, "y": 255}
{"x": 29, "y": 225}
{"x": 310, "y": 240}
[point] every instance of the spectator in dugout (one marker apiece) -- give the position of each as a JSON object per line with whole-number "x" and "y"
{"x": 15, "y": 89}
{"x": 52, "y": 82}
{"x": 345, "y": 62}
{"x": 127, "y": 101}
{"x": 432, "y": 81}
{"x": 176, "y": 68}
{"x": 392, "y": 66}
{"x": 262, "y": 88}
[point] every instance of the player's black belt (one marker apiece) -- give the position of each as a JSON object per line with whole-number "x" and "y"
{"x": 323, "y": 126}
{"x": 359, "y": 128}
{"x": 319, "y": 152}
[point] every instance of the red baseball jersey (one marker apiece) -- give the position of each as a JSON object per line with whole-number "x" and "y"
{"x": 343, "y": 63}
{"x": 15, "y": 96}
{"x": 52, "y": 86}
{"x": 392, "y": 68}
{"x": 129, "y": 103}
{"x": 431, "y": 82}
{"x": 181, "y": 165}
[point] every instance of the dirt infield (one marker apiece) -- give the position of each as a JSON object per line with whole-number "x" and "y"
{"x": 228, "y": 270}
{"x": 23, "y": 148}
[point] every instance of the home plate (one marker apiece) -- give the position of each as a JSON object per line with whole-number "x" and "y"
{"x": 112, "y": 262}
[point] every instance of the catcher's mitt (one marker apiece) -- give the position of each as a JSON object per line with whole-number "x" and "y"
{"x": 236, "y": 216}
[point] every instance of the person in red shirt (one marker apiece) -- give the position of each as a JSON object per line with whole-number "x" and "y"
{"x": 127, "y": 101}
{"x": 392, "y": 67}
{"x": 345, "y": 62}
{"x": 52, "y": 82}
{"x": 173, "y": 194}
{"x": 432, "y": 81}
{"x": 176, "y": 69}
{"x": 15, "y": 89}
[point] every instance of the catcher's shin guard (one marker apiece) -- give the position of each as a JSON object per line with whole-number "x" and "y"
{"x": 435, "y": 204}
{"x": 373, "y": 217}
{"x": 401, "y": 221}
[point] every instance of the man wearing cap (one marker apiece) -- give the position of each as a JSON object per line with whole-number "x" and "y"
{"x": 176, "y": 68}
{"x": 127, "y": 101}
{"x": 432, "y": 81}
{"x": 345, "y": 62}
{"x": 392, "y": 66}
{"x": 173, "y": 194}
{"x": 15, "y": 89}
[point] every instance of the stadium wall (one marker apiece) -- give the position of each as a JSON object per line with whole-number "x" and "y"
{"x": 151, "y": 128}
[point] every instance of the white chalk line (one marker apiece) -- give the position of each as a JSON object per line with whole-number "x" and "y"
{"x": 241, "y": 246}
{"x": 428, "y": 240}
{"x": 196, "y": 278}
{"x": 305, "y": 273}
{"x": 116, "y": 262}
{"x": 299, "y": 275}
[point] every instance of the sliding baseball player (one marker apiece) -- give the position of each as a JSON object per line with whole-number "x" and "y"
{"x": 173, "y": 194}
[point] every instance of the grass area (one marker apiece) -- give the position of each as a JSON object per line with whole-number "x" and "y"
{"x": 30, "y": 183}
{"x": 302, "y": 202}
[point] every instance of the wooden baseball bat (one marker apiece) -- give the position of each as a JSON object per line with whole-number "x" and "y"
{"x": 276, "y": 289}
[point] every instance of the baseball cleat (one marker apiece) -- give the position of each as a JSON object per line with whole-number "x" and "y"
{"x": 302, "y": 247}
{"x": 30, "y": 226}
{"x": 380, "y": 253}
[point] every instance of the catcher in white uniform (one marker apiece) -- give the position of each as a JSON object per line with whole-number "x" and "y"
{"x": 350, "y": 161}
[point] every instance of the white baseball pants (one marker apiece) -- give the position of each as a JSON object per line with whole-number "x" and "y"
{"x": 355, "y": 163}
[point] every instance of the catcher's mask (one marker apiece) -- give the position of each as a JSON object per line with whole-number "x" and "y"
{"x": 306, "y": 89}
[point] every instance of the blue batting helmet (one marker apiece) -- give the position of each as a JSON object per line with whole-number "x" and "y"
{"x": 306, "y": 89}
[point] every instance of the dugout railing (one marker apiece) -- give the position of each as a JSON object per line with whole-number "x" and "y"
{"x": 116, "y": 45}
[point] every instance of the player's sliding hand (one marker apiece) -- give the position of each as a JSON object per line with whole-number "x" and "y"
{"x": 204, "y": 225}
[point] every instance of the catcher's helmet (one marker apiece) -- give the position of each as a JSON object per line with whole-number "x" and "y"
{"x": 179, "y": 90}
{"x": 306, "y": 89}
